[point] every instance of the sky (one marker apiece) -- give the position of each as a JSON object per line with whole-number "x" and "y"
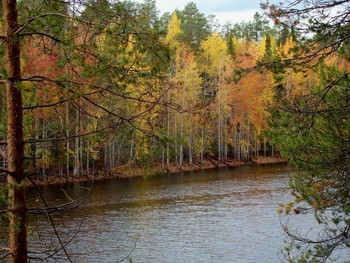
{"x": 225, "y": 10}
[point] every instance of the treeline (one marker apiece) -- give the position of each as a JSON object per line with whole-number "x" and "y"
{"x": 106, "y": 84}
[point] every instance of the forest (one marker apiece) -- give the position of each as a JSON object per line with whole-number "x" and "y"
{"x": 96, "y": 85}
{"x": 167, "y": 89}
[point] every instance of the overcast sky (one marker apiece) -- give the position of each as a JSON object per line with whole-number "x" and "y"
{"x": 224, "y": 10}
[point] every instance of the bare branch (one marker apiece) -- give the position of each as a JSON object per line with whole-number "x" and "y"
{"x": 98, "y": 89}
{"x": 128, "y": 255}
{"x": 46, "y": 211}
{"x": 59, "y": 208}
{"x": 46, "y": 105}
{"x": 65, "y": 193}
{"x": 29, "y": 21}
{"x": 2, "y": 170}
{"x": 43, "y": 34}
{"x": 6, "y": 255}
{"x": 75, "y": 136}
{"x": 67, "y": 243}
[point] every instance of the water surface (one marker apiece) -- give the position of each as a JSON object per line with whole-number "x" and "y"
{"x": 226, "y": 215}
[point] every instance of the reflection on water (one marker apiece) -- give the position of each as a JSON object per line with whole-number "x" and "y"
{"x": 225, "y": 215}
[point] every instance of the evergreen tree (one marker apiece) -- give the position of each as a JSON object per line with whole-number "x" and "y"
{"x": 195, "y": 25}
{"x": 312, "y": 122}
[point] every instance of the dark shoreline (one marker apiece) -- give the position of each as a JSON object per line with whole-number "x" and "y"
{"x": 130, "y": 171}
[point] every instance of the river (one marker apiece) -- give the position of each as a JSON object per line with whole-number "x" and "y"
{"x": 226, "y": 215}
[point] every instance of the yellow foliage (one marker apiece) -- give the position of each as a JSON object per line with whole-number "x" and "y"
{"x": 318, "y": 187}
{"x": 286, "y": 50}
{"x": 174, "y": 30}
{"x": 45, "y": 160}
{"x": 262, "y": 46}
{"x": 214, "y": 52}
{"x": 315, "y": 205}
{"x": 288, "y": 207}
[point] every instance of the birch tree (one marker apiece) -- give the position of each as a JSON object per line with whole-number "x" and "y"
{"x": 214, "y": 55}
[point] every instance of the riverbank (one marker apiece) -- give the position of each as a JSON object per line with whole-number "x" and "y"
{"x": 150, "y": 170}
{"x": 269, "y": 160}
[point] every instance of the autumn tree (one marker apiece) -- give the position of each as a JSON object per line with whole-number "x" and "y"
{"x": 187, "y": 75}
{"x": 250, "y": 96}
{"x": 214, "y": 56}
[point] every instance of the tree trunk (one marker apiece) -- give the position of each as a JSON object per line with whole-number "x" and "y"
{"x": 15, "y": 151}
{"x": 88, "y": 158}
{"x": 181, "y": 153}
{"x": 67, "y": 136}
{"x": 190, "y": 138}
{"x": 131, "y": 154}
{"x": 168, "y": 132}
{"x": 76, "y": 169}
{"x": 1, "y": 103}
{"x": 181, "y": 139}
{"x": 45, "y": 150}
{"x": 176, "y": 138}
{"x": 248, "y": 142}
{"x": 219, "y": 117}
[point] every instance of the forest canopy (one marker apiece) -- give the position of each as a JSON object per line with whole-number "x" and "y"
{"x": 129, "y": 85}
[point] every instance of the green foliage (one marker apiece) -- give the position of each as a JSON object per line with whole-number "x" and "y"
{"x": 51, "y": 25}
{"x": 253, "y": 30}
{"x": 344, "y": 51}
{"x": 194, "y": 25}
{"x": 2, "y": 118}
{"x": 3, "y": 206}
{"x": 312, "y": 131}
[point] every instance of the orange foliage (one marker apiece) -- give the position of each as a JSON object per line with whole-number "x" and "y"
{"x": 250, "y": 95}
